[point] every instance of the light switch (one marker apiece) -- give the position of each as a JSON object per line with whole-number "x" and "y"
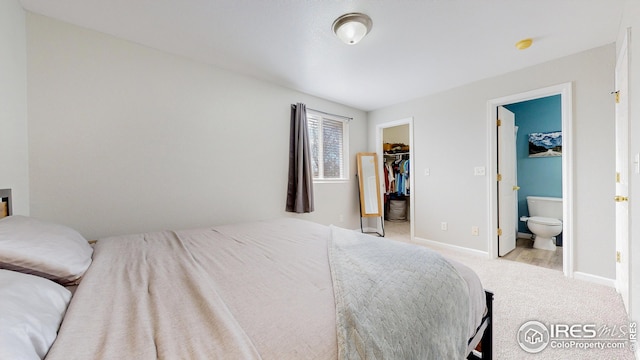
{"x": 427, "y": 172}
{"x": 479, "y": 171}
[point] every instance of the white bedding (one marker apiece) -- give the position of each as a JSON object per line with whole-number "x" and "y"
{"x": 246, "y": 291}
{"x": 31, "y": 310}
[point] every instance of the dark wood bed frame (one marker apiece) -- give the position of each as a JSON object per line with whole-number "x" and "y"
{"x": 484, "y": 350}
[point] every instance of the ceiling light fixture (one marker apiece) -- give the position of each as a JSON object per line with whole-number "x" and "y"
{"x": 352, "y": 27}
{"x": 523, "y": 44}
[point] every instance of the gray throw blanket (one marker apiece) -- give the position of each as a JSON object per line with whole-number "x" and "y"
{"x": 395, "y": 300}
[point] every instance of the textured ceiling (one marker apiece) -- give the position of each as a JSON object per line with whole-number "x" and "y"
{"x": 416, "y": 47}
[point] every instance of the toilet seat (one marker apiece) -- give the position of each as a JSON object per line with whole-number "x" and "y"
{"x": 544, "y": 220}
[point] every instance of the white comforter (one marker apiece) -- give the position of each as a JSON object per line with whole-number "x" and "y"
{"x": 246, "y": 291}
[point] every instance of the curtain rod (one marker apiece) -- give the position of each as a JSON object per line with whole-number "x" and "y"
{"x": 330, "y": 114}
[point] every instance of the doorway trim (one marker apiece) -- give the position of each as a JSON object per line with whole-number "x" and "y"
{"x": 379, "y": 133}
{"x": 565, "y": 91}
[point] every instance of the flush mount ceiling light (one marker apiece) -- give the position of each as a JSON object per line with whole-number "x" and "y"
{"x": 524, "y": 44}
{"x": 351, "y": 28}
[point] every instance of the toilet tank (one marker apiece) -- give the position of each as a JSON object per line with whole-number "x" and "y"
{"x": 550, "y": 207}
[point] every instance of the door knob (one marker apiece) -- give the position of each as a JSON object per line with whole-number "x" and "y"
{"x": 516, "y": 187}
{"x": 620, "y": 198}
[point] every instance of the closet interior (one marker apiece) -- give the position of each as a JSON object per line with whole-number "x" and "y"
{"x": 396, "y": 160}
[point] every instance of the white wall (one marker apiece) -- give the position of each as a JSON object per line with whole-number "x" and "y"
{"x": 450, "y": 138}
{"x": 631, "y": 19}
{"x": 126, "y": 139}
{"x": 14, "y": 168}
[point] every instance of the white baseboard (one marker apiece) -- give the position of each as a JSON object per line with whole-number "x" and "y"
{"x": 576, "y": 274}
{"x": 451, "y": 247}
{"x": 594, "y": 279}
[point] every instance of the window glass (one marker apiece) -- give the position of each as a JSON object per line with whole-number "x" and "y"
{"x": 326, "y": 136}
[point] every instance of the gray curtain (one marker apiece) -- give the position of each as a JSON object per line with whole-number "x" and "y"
{"x": 300, "y": 187}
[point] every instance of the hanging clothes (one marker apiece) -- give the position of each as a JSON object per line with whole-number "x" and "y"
{"x": 402, "y": 177}
{"x": 396, "y": 171}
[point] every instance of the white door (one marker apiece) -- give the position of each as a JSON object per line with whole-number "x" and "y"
{"x": 622, "y": 174}
{"x": 507, "y": 187}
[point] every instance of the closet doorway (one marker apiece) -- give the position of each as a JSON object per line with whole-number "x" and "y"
{"x": 394, "y": 145}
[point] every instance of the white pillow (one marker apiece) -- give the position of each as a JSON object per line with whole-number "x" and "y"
{"x": 31, "y": 310}
{"x": 45, "y": 249}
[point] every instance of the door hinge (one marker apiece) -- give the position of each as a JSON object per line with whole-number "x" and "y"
{"x": 617, "y": 177}
{"x": 618, "y": 256}
{"x": 499, "y": 232}
{"x": 499, "y": 177}
{"x": 617, "y": 93}
{"x": 499, "y": 122}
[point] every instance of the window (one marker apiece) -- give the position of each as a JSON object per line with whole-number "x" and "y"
{"x": 329, "y": 150}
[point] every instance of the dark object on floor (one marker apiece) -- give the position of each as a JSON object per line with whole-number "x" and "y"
{"x": 484, "y": 350}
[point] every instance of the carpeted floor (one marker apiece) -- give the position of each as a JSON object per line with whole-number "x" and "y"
{"x": 525, "y": 292}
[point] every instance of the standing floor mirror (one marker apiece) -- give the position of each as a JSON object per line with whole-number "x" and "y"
{"x": 369, "y": 186}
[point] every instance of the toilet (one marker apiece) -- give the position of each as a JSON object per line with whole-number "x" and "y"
{"x": 544, "y": 220}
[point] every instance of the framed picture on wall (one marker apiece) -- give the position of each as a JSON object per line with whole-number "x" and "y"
{"x": 545, "y": 144}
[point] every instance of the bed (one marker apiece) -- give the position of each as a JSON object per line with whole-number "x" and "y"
{"x": 277, "y": 289}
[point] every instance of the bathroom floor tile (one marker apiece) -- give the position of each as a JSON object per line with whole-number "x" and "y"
{"x": 525, "y": 253}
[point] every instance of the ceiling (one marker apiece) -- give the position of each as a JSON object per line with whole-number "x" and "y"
{"x": 415, "y": 48}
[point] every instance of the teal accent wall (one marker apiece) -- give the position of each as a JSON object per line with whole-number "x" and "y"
{"x": 540, "y": 176}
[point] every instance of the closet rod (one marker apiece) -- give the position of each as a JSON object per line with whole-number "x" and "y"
{"x": 330, "y": 114}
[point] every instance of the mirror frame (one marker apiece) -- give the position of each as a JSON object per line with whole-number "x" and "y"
{"x": 361, "y": 188}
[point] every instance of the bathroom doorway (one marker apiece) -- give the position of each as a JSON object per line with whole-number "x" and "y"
{"x": 537, "y": 162}
{"x": 562, "y": 97}
{"x": 394, "y": 145}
